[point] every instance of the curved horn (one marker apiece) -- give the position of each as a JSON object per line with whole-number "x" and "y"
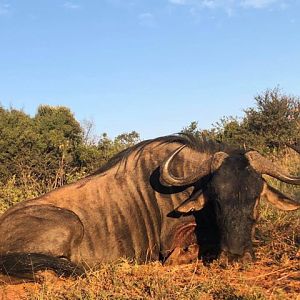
{"x": 208, "y": 166}
{"x": 263, "y": 166}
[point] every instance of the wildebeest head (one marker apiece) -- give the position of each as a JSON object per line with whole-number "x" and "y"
{"x": 234, "y": 186}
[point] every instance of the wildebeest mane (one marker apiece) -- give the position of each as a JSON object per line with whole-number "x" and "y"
{"x": 199, "y": 143}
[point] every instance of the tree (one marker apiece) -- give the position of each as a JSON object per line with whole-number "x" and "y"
{"x": 59, "y": 139}
{"x": 274, "y": 121}
{"x": 109, "y": 147}
{"x": 17, "y": 144}
{"x": 43, "y": 148}
{"x": 49, "y": 150}
{"x": 126, "y": 140}
{"x": 192, "y": 129}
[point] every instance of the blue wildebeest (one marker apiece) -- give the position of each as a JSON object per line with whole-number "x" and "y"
{"x": 149, "y": 202}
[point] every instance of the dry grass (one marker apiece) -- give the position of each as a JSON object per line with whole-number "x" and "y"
{"x": 274, "y": 276}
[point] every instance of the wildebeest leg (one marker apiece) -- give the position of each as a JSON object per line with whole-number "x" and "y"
{"x": 40, "y": 233}
{"x": 27, "y": 266}
{"x": 181, "y": 256}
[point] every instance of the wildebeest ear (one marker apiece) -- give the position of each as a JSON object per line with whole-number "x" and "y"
{"x": 194, "y": 203}
{"x": 278, "y": 199}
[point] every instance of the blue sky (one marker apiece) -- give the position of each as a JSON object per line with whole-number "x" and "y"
{"x": 151, "y": 66}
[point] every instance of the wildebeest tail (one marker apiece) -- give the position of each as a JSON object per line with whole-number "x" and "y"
{"x": 25, "y": 265}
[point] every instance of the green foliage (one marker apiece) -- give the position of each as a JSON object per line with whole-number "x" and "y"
{"x": 49, "y": 150}
{"x": 109, "y": 147}
{"x": 59, "y": 137}
{"x": 11, "y": 194}
{"x": 231, "y": 131}
{"x": 276, "y": 119}
{"x": 94, "y": 153}
{"x": 42, "y": 148}
{"x": 17, "y": 141}
{"x": 192, "y": 128}
{"x": 273, "y": 122}
{"x": 126, "y": 140}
